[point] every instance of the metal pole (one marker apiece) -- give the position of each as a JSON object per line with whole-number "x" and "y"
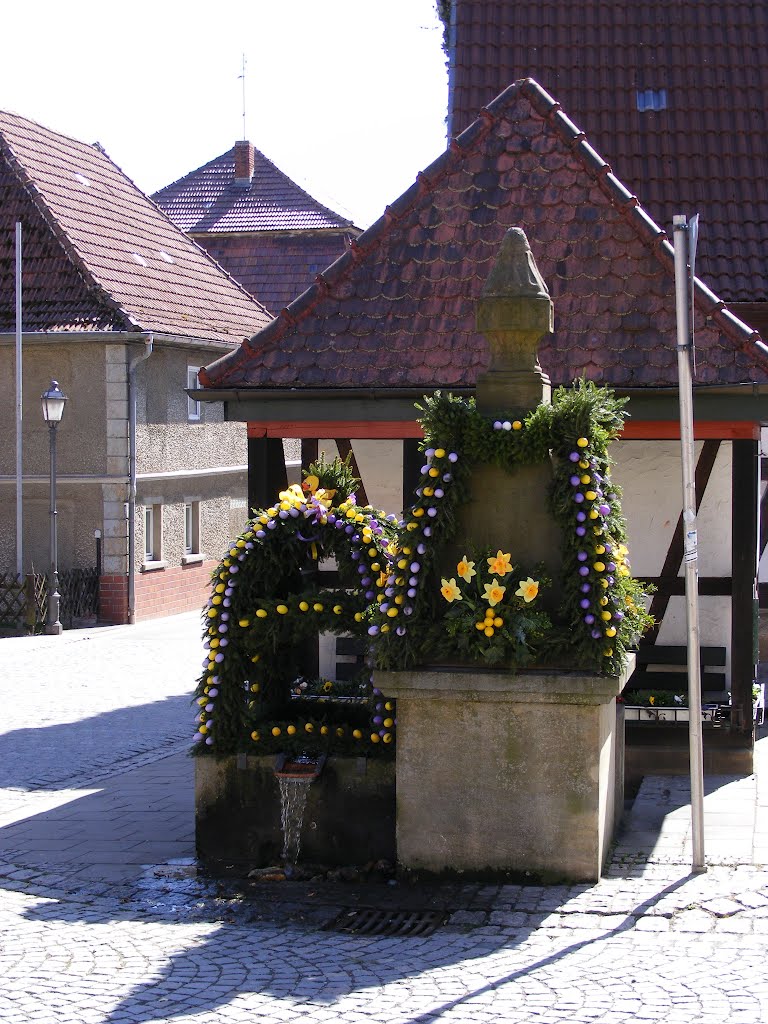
{"x": 684, "y": 361}
{"x": 52, "y": 624}
{"x": 19, "y": 410}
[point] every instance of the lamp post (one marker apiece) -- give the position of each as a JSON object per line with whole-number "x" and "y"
{"x": 53, "y": 409}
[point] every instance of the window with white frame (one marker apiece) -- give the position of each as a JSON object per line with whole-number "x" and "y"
{"x": 191, "y": 527}
{"x": 153, "y": 532}
{"x": 193, "y": 406}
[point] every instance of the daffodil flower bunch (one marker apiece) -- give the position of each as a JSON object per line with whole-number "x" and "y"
{"x": 492, "y": 613}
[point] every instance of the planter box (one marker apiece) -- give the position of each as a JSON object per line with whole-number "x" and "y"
{"x": 674, "y": 714}
{"x": 349, "y": 816}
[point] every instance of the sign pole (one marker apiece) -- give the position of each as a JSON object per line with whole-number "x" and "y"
{"x": 685, "y": 375}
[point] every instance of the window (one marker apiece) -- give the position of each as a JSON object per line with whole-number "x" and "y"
{"x": 192, "y": 528}
{"x": 153, "y": 533}
{"x": 651, "y": 99}
{"x": 193, "y": 406}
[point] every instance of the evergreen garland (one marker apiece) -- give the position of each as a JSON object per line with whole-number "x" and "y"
{"x": 266, "y": 599}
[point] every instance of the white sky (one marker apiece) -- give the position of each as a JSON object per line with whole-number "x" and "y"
{"x": 348, "y": 97}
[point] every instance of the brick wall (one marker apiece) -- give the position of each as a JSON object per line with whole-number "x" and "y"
{"x": 169, "y": 591}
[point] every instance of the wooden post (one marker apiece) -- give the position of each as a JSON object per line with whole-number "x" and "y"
{"x": 266, "y": 471}
{"x": 744, "y": 559}
{"x": 412, "y": 462}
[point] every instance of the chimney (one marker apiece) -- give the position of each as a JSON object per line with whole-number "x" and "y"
{"x": 244, "y": 163}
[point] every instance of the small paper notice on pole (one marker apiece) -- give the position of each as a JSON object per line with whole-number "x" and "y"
{"x": 691, "y": 545}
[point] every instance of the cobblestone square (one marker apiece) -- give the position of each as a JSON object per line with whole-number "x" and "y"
{"x": 104, "y": 919}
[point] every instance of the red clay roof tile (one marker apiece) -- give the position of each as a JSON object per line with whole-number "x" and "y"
{"x": 705, "y": 151}
{"x": 411, "y": 284}
{"x": 98, "y": 255}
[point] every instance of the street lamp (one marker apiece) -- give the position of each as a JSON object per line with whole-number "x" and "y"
{"x": 53, "y": 409}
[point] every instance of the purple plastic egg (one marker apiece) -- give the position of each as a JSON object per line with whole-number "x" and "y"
{"x": 401, "y": 631}
{"x": 580, "y": 531}
{"x": 583, "y": 570}
{"x": 427, "y": 531}
{"x": 574, "y": 456}
{"x": 581, "y": 516}
{"x": 213, "y": 692}
{"x": 584, "y": 603}
{"x": 219, "y": 658}
{"x": 575, "y": 480}
{"x": 578, "y": 497}
{"x": 369, "y": 595}
{"x": 596, "y": 634}
{"x": 415, "y": 566}
{"x": 373, "y": 630}
{"x": 582, "y": 556}
{"x": 412, "y": 592}
{"x": 283, "y": 514}
{"x": 585, "y": 588}
{"x": 589, "y": 619}
{"x": 453, "y": 457}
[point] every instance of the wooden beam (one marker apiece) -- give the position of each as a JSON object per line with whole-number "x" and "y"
{"x": 345, "y": 450}
{"x": 705, "y": 430}
{"x": 674, "y": 557}
{"x": 413, "y": 460}
{"x": 362, "y": 430}
{"x": 709, "y": 586}
{"x": 744, "y": 561}
{"x": 266, "y": 471}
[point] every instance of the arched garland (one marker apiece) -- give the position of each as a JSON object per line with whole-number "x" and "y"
{"x": 601, "y": 612}
{"x": 264, "y": 602}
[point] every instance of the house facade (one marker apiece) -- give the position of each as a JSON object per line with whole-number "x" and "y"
{"x": 122, "y": 309}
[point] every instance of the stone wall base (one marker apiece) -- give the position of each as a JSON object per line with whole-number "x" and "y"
{"x": 501, "y": 773}
{"x": 349, "y": 817}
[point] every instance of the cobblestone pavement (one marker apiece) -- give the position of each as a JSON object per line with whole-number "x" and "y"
{"x": 96, "y": 928}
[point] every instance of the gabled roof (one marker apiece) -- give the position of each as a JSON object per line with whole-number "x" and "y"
{"x": 398, "y": 310}
{"x": 213, "y": 199}
{"x": 699, "y": 70}
{"x": 98, "y": 254}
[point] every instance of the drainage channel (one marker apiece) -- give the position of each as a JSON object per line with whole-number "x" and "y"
{"x": 414, "y": 923}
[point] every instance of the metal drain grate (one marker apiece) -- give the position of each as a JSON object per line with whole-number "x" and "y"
{"x": 386, "y": 922}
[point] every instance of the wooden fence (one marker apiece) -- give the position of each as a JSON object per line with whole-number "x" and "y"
{"x": 24, "y": 600}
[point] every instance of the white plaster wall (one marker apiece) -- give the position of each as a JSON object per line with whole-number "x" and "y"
{"x": 380, "y": 465}
{"x": 650, "y": 475}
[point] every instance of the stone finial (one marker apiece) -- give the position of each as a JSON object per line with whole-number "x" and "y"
{"x": 514, "y": 313}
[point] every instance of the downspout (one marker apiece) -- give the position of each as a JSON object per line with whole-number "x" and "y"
{"x": 148, "y": 346}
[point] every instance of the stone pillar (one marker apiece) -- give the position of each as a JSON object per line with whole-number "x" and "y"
{"x": 505, "y": 774}
{"x": 509, "y": 510}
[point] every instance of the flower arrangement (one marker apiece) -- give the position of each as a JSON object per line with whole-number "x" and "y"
{"x": 488, "y": 619}
{"x": 266, "y": 598}
{"x": 600, "y": 612}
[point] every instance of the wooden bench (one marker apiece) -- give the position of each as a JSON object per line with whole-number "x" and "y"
{"x": 661, "y": 667}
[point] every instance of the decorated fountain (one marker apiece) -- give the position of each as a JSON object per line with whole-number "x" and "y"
{"x": 499, "y": 613}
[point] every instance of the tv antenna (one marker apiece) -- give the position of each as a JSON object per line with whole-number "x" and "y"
{"x": 242, "y": 76}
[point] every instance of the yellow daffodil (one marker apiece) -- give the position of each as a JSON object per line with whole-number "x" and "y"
{"x": 528, "y": 590}
{"x": 466, "y": 569}
{"x": 449, "y": 590}
{"x": 500, "y": 564}
{"x": 494, "y": 592}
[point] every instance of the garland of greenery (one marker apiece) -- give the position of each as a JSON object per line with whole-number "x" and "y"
{"x": 601, "y": 612}
{"x": 265, "y": 597}
{"x": 266, "y": 601}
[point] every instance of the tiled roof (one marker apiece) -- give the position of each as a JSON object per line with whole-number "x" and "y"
{"x": 99, "y": 255}
{"x": 275, "y": 266}
{"x": 705, "y": 151}
{"x": 212, "y": 199}
{"x": 398, "y": 309}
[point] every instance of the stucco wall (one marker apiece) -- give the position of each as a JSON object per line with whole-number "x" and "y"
{"x": 79, "y": 367}
{"x": 650, "y": 475}
{"x": 381, "y": 468}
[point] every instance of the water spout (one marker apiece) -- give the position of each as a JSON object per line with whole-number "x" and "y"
{"x": 294, "y": 776}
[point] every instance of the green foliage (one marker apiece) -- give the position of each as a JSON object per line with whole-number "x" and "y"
{"x": 579, "y": 424}
{"x": 267, "y": 599}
